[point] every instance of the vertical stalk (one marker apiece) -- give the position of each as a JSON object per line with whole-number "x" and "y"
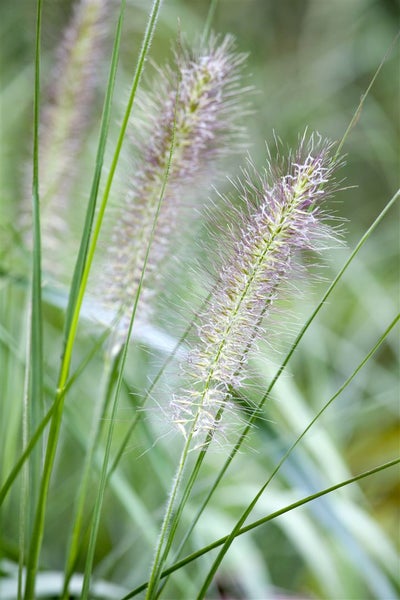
{"x": 111, "y": 367}
{"x": 34, "y": 366}
{"x": 160, "y": 555}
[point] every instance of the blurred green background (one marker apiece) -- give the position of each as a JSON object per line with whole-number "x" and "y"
{"x": 310, "y": 62}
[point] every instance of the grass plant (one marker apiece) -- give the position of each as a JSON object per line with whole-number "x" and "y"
{"x": 169, "y": 379}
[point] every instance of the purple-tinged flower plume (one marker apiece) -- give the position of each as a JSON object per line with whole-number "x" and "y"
{"x": 263, "y": 255}
{"x": 65, "y": 121}
{"x": 196, "y": 103}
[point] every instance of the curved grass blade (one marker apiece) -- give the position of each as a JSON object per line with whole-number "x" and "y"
{"x": 195, "y": 555}
{"x": 90, "y": 212}
{"x": 357, "y": 114}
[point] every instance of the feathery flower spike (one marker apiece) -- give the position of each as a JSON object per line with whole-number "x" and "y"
{"x": 263, "y": 256}
{"x": 65, "y": 120}
{"x": 200, "y": 98}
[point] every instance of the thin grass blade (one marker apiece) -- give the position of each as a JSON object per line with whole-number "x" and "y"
{"x": 195, "y": 555}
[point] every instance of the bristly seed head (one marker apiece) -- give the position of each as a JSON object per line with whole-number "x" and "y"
{"x": 198, "y": 103}
{"x": 66, "y": 117}
{"x": 287, "y": 218}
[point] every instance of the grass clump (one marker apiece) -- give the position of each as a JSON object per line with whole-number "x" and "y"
{"x": 175, "y": 395}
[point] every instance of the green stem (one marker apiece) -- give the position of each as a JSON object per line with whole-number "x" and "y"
{"x": 160, "y": 554}
{"x": 34, "y": 366}
{"x": 34, "y": 404}
{"x": 24, "y": 493}
{"x": 111, "y": 367}
{"x": 36, "y": 387}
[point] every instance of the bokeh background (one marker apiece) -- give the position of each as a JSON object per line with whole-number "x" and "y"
{"x": 310, "y": 62}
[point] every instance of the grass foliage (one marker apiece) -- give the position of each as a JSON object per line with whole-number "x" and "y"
{"x": 163, "y": 432}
